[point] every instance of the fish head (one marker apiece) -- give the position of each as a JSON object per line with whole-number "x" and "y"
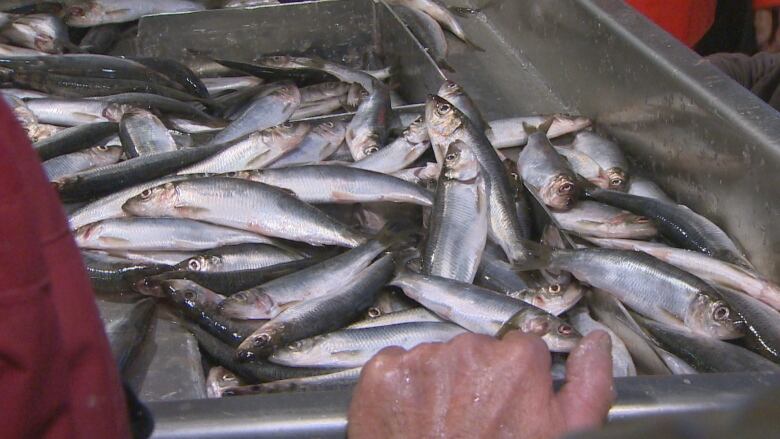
{"x": 155, "y": 201}
{"x": 288, "y": 93}
{"x": 560, "y": 192}
{"x": 220, "y": 379}
{"x": 563, "y": 124}
{"x": 554, "y": 298}
{"x": 416, "y": 132}
{"x": 250, "y": 304}
{"x": 441, "y": 116}
{"x": 114, "y": 112}
{"x": 709, "y": 314}
{"x": 82, "y": 13}
{"x": 460, "y": 163}
{"x": 616, "y": 179}
{"x": 201, "y": 263}
{"x": 355, "y": 95}
{"x": 302, "y": 348}
{"x": 450, "y": 90}
{"x": 88, "y": 232}
{"x": 556, "y": 333}
{"x": 371, "y": 144}
{"x": 332, "y": 131}
{"x": 189, "y": 293}
{"x": 261, "y": 343}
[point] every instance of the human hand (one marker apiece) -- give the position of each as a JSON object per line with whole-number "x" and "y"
{"x": 476, "y": 386}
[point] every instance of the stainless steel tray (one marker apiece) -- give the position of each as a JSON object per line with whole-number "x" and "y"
{"x": 706, "y": 140}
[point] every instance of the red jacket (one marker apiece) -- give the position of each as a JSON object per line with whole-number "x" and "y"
{"x": 57, "y": 376}
{"x": 687, "y": 20}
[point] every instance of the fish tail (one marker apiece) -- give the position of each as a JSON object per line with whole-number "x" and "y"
{"x": 472, "y": 45}
{"x": 534, "y": 256}
{"x": 397, "y": 234}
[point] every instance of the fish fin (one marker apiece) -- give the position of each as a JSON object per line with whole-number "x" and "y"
{"x": 343, "y": 197}
{"x": 346, "y": 354}
{"x": 552, "y": 236}
{"x": 113, "y": 240}
{"x": 472, "y": 45}
{"x": 535, "y": 257}
{"x": 80, "y": 114}
{"x": 190, "y": 211}
{"x": 287, "y": 191}
{"x": 444, "y": 65}
{"x": 120, "y": 11}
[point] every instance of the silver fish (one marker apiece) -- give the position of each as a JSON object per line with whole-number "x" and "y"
{"x": 318, "y": 108}
{"x": 254, "y": 151}
{"x": 583, "y": 165}
{"x": 238, "y": 257}
{"x": 710, "y": 269}
{"x": 324, "y": 90}
{"x": 319, "y": 315}
{"x": 354, "y": 347}
{"x": 427, "y": 30}
{"x": 270, "y": 108}
{"x": 337, "y": 380}
{"x": 422, "y": 176}
{"x": 589, "y": 218}
{"x": 219, "y": 379}
{"x": 78, "y": 161}
{"x": 484, "y": 311}
{"x": 411, "y": 315}
{"x": 441, "y": 14}
{"x": 454, "y": 93}
{"x": 761, "y": 321}
{"x": 170, "y": 258}
{"x": 646, "y": 188}
{"x": 622, "y": 364}
{"x": 216, "y": 86}
{"x": 340, "y": 184}
{"x": 367, "y": 131}
{"x": 400, "y": 153}
{"x": 142, "y": 133}
{"x": 159, "y": 234}
{"x": 459, "y": 220}
{"x": 245, "y": 205}
{"x": 554, "y": 298}
{"x": 72, "y": 112}
{"x": 542, "y": 168}
{"x": 44, "y": 32}
{"x": 510, "y": 133}
{"x": 87, "y": 13}
{"x": 608, "y": 156}
{"x": 269, "y": 299}
{"x": 319, "y": 144}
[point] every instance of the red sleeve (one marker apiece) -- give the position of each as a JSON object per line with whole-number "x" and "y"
{"x": 687, "y": 20}
{"x": 57, "y": 376}
{"x": 765, "y": 4}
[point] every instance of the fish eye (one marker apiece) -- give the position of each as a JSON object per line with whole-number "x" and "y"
{"x": 188, "y": 294}
{"x": 102, "y": 148}
{"x": 287, "y": 124}
{"x": 296, "y": 346}
{"x": 642, "y": 219}
{"x": 329, "y": 124}
{"x": 374, "y": 312}
{"x": 451, "y": 157}
{"x": 451, "y": 84}
{"x": 277, "y": 58}
{"x": 720, "y": 313}
{"x": 444, "y": 108}
{"x": 363, "y": 93}
{"x": 565, "y": 329}
{"x": 371, "y": 150}
{"x": 514, "y": 176}
{"x": 194, "y": 265}
{"x": 566, "y": 188}
{"x": 231, "y": 174}
{"x": 616, "y": 181}
{"x": 76, "y": 11}
{"x": 261, "y": 340}
{"x": 554, "y": 289}
{"x": 146, "y": 194}
{"x": 228, "y": 377}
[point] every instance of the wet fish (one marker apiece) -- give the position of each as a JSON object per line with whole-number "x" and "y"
{"x": 645, "y": 188}
{"x": 706, "y": 354}
{"x": 200, "y": 305}
{"x": 159, "y": 234}
{"x": 319, "y": 315}
{"x": 153, "y": 257}
{"x": 319, "y": 144}
{"x": 324, "y": 90}
{"x": 484, "y": 311}
{"x": 219, "y": 379}
{"x": 238, "y": 257}
{"x": 87, "y": 13}
{"x": 555, "y": 298}
{"x": 761, "y": 322}
{"x": 652, "y": 288}
{"x": 498, "y": 275}
{"x": 269, "y": 299}
{"x": 43, "y": 32}
{"x": 708, "y": 268}
{"x": 584, "y": 166}
{"x": 340, "y": 71}
{"x": 255, "y": 151}
{"x": 270, "y": 108}
{"x": 41, "y": 131}
{"x": 441, "y": 14}
{"x": 70, "y": 164}
{"x": 622, "y": 364}
{"x": 74, "y": 139}
{"x": 454, "y": 93}
{"x": 411, "y": 315}
{"x": 447, "y": 124}
{"x": 334, "y": 380}
{"x": 318, "y": 108}
{"x": 125, "y": 335}
{"x": 340, "y": 184}
{"x": 142, "y": 133}
{"x": 428, "y": 31}
{"x": 162, "y": 104}
{"x": 677, "y": 223}
{"x": 367, "y": 131}
{"x": 73, "y": 112}
{"x": 245, "y": 205}
{"x": 607, "y": 155}
{"x": 542, "y": 168}
{"x": 252, "y": 372}
{"x": 354, "y": 347}
{"x": 510, "y": 133}
{"x": 108, "y": 179}
{"x": 111, "y": 274}
{"x": 589, "y": 218}
{"x": 220, "y": 85}
{"x": 177, "y": 72}
{"x": 459, "y": 220}
{"x": 400, "y": 153}
{"x": 9, "y": 50}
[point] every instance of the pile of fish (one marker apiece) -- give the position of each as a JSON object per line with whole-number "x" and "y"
{"x": 294, "y": 249}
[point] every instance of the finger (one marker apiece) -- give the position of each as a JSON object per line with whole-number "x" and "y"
{"x": 588, "y": 393}
{"x": 377, "y": 380}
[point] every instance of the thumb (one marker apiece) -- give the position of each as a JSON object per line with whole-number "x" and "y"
{"x": 588, "y": 393}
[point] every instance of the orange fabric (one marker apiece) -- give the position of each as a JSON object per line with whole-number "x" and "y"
{"x": 687, "y": 20}
{"x": 764, "y": 4}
